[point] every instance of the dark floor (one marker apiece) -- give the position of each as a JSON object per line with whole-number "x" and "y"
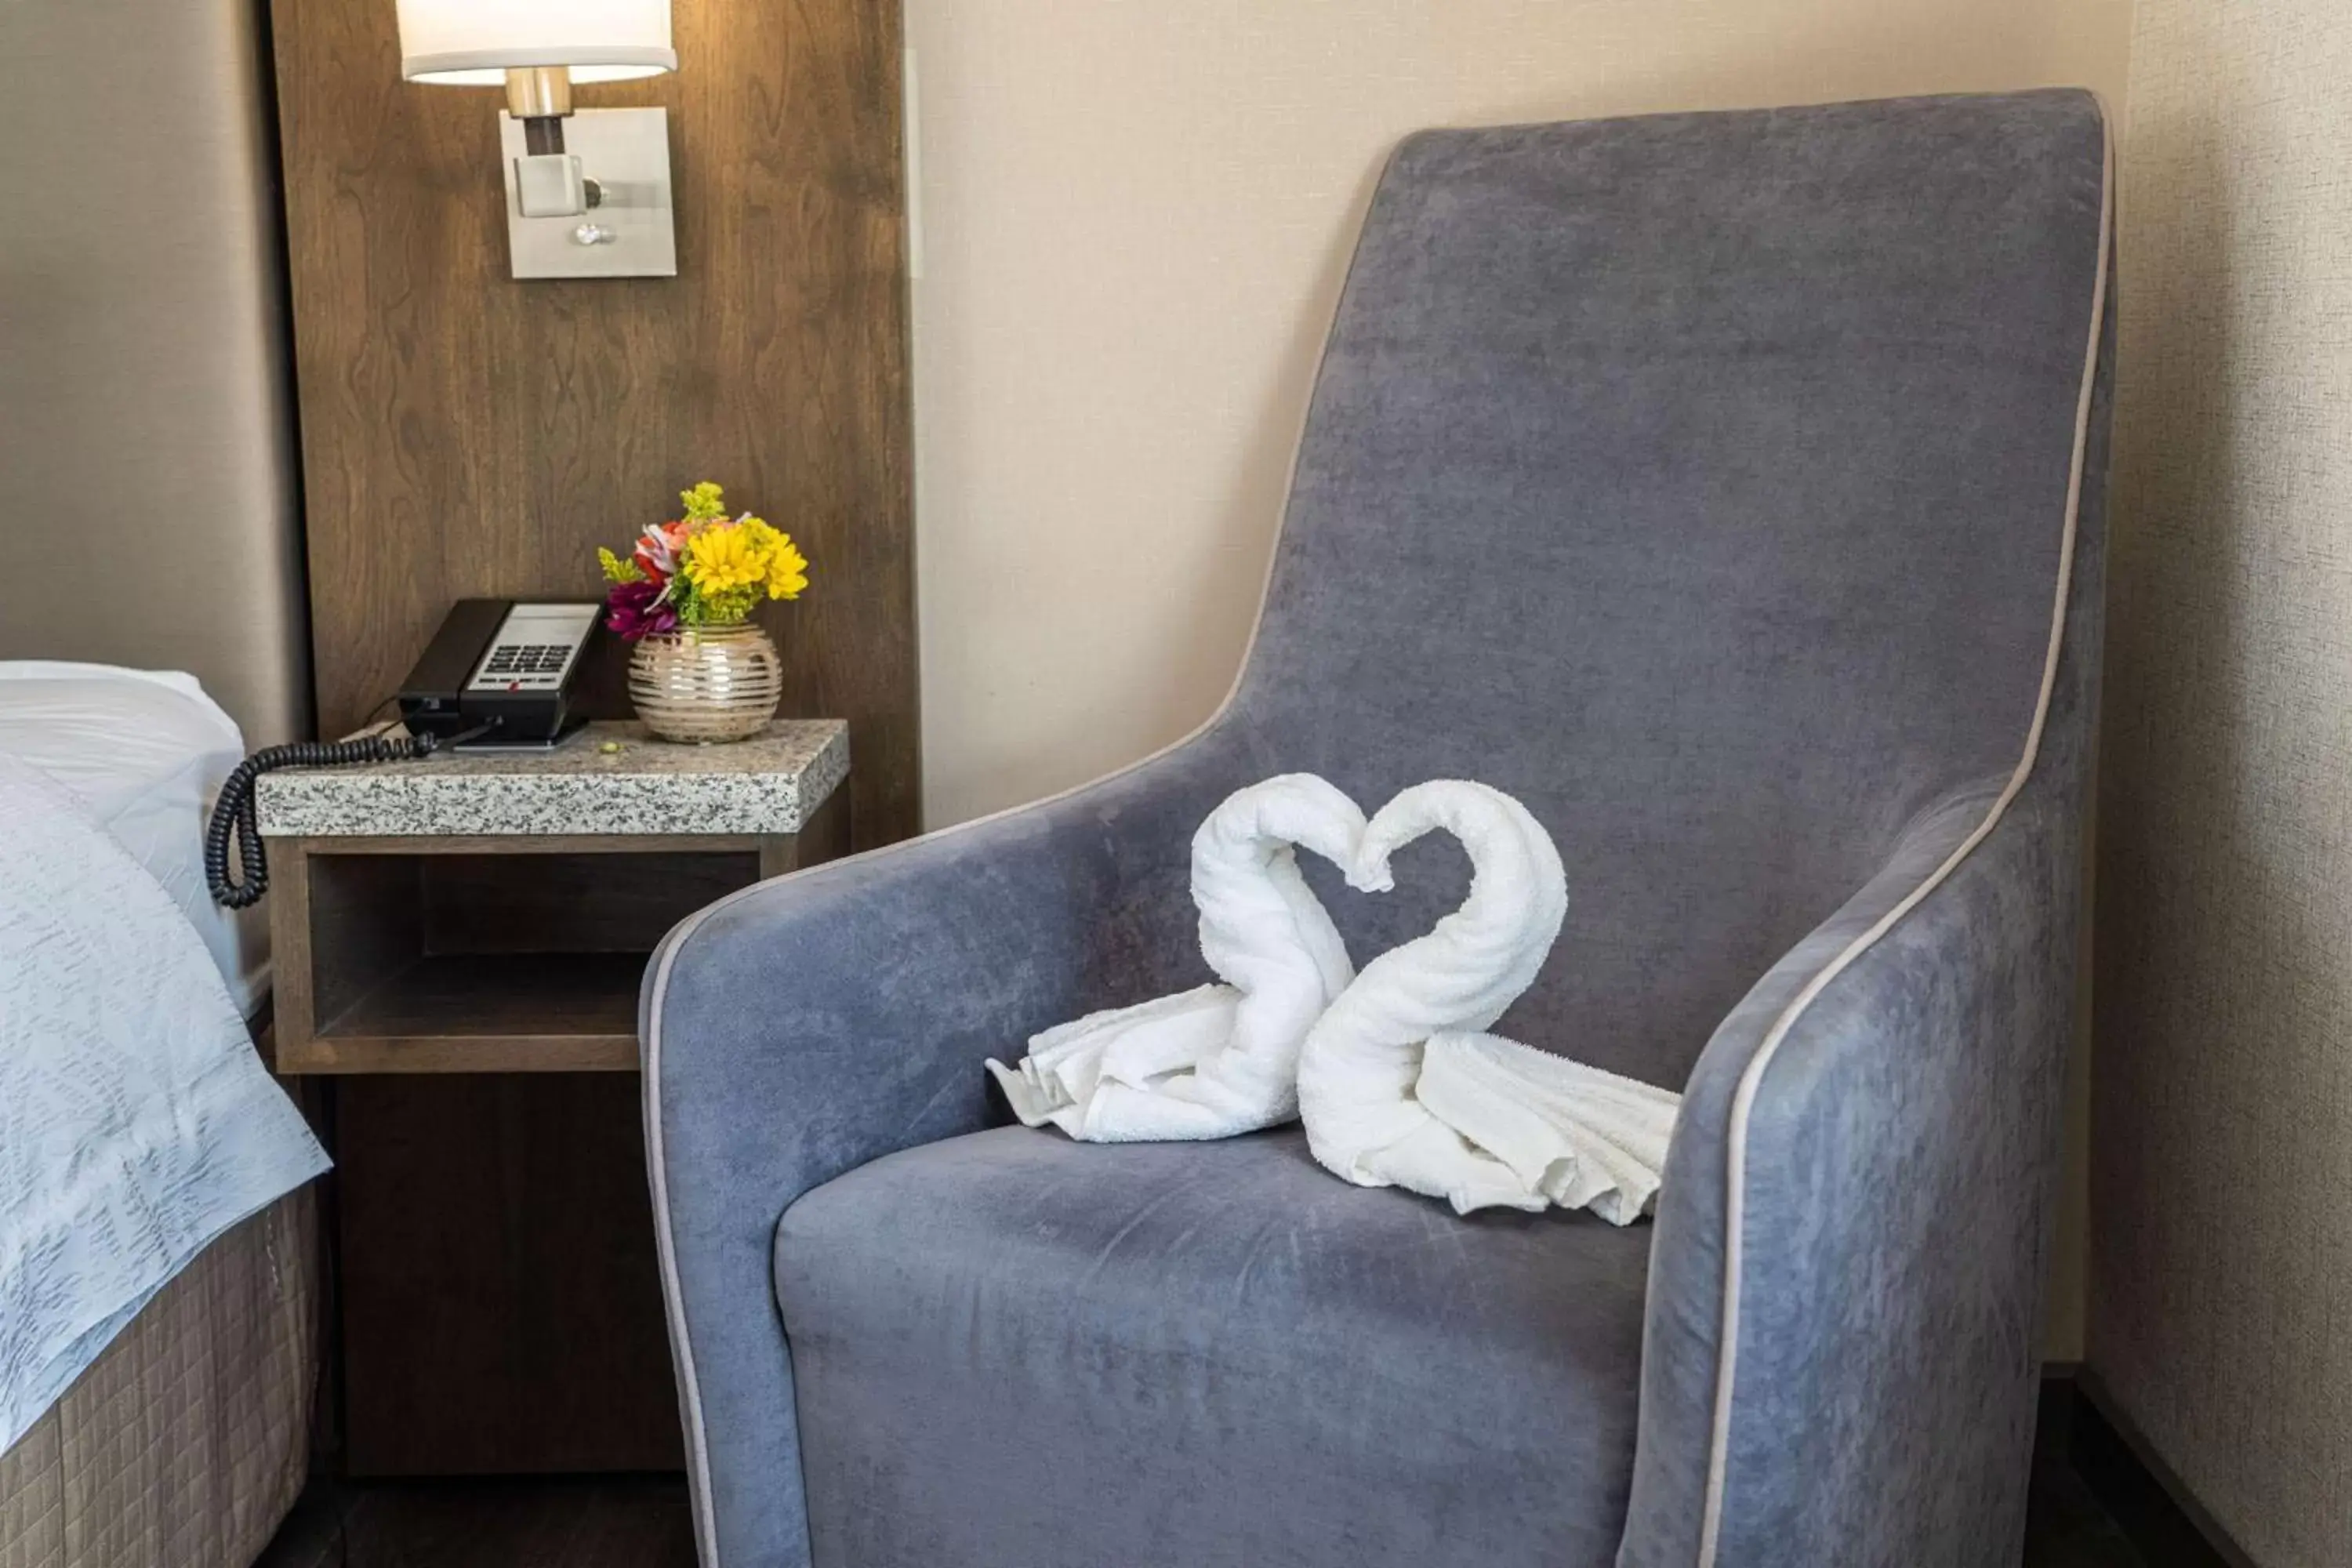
{"x": 641, "y": 1522}
{"x": 2066, "y": 1527}
{"x": 603, "y": 1521}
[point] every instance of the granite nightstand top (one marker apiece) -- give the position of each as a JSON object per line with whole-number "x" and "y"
{"x": 608, "y": 779}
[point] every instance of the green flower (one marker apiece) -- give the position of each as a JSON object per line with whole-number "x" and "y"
{"x": 728, "y": 608}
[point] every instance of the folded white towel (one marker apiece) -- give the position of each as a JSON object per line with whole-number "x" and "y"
{"x": 1222, "y": 1060}
{"x": 1572, "y": 1134}
{"x": 1398, "y": 1085}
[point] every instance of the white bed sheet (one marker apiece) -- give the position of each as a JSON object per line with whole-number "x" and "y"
{"x": 147, "y": 751}
{"x": 137, "y": 1122}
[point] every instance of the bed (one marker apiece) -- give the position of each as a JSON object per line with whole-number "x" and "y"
{"x": 179, "y": 1437}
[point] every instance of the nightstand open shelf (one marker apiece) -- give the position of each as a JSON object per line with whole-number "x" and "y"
{"x": 516, "y": 953}
{"x": 474, "y": 1012}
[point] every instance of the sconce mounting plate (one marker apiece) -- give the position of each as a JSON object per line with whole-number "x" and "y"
{"x": 630, "y": 232}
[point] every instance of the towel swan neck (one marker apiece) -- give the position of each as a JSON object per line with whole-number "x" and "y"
{"x": 1480, "y": 958}
{"x": 1263, "y": 931}
{"x": 1361, "y": 1067}
{"x": 1223, "y": 1058}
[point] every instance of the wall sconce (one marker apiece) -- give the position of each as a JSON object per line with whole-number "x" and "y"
{"x": 588, "y": 191}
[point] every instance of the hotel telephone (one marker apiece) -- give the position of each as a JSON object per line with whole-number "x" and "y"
{"x": 498, "y": 676}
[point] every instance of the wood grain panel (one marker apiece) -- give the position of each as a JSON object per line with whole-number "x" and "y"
{"x": 502, "y": 1308}
{"x": 465, "y": 434}
{"x": 572, "y": 904}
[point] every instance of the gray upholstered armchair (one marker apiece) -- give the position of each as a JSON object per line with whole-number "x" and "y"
{"x": 1728, "y": 487}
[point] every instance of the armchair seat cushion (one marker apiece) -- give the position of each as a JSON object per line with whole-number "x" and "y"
{"x": 1013, "y": 1350}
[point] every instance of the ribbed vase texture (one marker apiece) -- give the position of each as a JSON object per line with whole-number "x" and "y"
{"x": 706, "y": 683}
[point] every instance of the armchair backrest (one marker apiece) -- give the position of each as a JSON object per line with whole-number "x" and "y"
{"x": 1701, "y": 480}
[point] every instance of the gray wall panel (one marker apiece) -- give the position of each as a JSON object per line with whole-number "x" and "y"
{"x": 146, "y": 490}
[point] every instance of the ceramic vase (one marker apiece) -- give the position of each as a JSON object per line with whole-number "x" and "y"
{"x": 705, "y": 684}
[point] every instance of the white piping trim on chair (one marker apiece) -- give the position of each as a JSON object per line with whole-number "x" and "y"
{"x": 1743, "y": 1103}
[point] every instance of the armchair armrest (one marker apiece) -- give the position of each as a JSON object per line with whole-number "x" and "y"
{"x": 821, "y": 1020}
{"x": 1842, "y": 1349}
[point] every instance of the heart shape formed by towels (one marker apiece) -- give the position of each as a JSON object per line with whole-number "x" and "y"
{"x": 1391, "y": 1070}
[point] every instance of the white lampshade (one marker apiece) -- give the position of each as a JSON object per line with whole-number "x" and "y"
{"x": 472, "y": 43}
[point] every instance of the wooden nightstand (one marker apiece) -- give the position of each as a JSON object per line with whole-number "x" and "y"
{"x": 478, "y": 914}
{"x": 460, "y": 942}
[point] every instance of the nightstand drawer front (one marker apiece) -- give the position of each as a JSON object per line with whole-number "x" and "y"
{"x": 500, "y": 1298}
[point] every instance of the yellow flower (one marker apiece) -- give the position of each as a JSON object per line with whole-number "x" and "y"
{"x": 703, "y": 502}
{"x": 718, "y": 559}
{"x": 787, "y": 569}
{"x": 726, "y": 562}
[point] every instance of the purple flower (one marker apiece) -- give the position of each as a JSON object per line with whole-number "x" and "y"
{"x": 637, "y": 610}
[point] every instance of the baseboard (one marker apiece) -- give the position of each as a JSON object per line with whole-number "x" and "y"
{"x": 2130, "y": 1479}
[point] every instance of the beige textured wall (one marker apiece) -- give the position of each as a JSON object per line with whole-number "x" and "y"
{"x": 1132, "y": 220}
{"x": 2221, "y": 1312}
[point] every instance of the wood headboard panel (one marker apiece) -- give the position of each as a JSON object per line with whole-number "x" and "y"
{"x": 143, "y": 387}
{"x": 465, "y": 433}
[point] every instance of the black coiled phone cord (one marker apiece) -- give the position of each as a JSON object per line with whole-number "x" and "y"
{"x": 233, "y": 813}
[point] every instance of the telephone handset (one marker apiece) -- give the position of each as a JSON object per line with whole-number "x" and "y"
{"x": 498, "y": 676}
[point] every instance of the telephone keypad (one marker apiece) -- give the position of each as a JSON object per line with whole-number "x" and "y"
{"x": 531, "y": 664}
{"x": 534, "y": 647}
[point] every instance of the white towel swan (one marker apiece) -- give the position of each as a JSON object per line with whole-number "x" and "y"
{"x": 1398, "y": 1085}
{"x": 1221, "y": 1059}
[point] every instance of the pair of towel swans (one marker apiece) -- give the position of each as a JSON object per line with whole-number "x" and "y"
{"x": 1392, "y": 1070}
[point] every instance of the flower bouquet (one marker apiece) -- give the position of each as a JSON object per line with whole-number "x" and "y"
{"x": 684, "y": 596}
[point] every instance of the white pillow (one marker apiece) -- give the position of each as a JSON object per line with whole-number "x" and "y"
{"x": 147, "y": 750}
